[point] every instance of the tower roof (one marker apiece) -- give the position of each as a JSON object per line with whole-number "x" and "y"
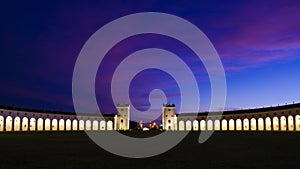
{"x": 169, "y": 105}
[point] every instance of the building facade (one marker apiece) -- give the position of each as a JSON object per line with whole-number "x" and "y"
{"x": 279, "y": 118}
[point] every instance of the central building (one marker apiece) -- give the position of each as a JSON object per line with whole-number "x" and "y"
{"x": 122, "y": 118}
{"x": 169, "y": 118}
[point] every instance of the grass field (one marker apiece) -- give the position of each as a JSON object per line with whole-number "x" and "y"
{"x": 74, "y": 150}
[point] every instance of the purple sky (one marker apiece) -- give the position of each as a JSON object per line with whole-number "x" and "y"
{"x": 258, "y": 42}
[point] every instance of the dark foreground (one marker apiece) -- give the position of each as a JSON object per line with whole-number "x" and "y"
{"x": 74, "y": 150}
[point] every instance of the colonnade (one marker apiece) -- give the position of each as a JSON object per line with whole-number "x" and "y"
{"x": 9, "y": 123}
{"x": 282, "y": 123}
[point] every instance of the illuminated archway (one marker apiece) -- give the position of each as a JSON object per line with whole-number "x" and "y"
{"x": 81, "y": 125}
{"x": 202, "y": 125}
{"x": 74, "y": 125}
{"x": 110, "y": 125}
{"x": 195, "y": 125}
{"x": 188, "y": 125}
{"x": 290, "y": 123}
{"x": 61, "y": 125}
{"x": 253, "y": 124}
{"x": 260, "y": 124}
{"x": 297, "y": 122}
{"x": 68, "y": 125}
{"x": 88, "y": 125}
{"x": 95, "y": 125}
{"x": 275, "y": 124}
{"x": 217, "y": 125}
{"x": 102, "y": 125}
{"x": 8, "y": 123}
{"x": 1, "y": 123}
{"x": 268, "y": 124}
{"x": 32, "y": 124}
{"x": 40, "y": 123}
{"x": 231, "y": 124}
{"x": 282, "y": 123}
{"x": 238, "y": 124}
{"x": 47, "y": 124}
{"x": 17, "y": 123}
{"x": 210, "y": 125}
{"x": 54, "y": 125}
{"x": 246, "y": 125}
{"x": 24, "y": 124}
{"x": 224, "y": 125}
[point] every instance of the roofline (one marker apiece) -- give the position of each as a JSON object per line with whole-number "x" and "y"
{"x": 51, "y": 111}
{"x": 242, "y": 111}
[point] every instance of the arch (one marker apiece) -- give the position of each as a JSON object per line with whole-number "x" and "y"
{"x": 54, "y": 125}
{"x": 253, "y": 124}
{"x": 210, "y": 125}
{"x": 81, "y": 125}
{"x": 238, "y": 124}
{"x": 188, "y": 125}
{"x": 282, "y": 123}
{"x": 231, "y": 124}
{"x": 75, "y": 125}
{"x": 47, "y": 124}
{"x": 268, "y": 124}
{"x": 246, "y": 125}
{"x": 275, "y": 123}
{"x": 297, "y": 122}
{"x": 195, "y": 125}
{"x": 8, "y": 123}
{"x": 95, "y": 125}
{"x": 32, "y": 124}
{"x": 17, "y": 123}
{"x": 61, "y": 125}
{"x": 1, "y": 123}
{"x": 68, "y": 124}
{"x": 110, "y": 125}
{"x": 224, "y": 125}
{"x": 217, "y": 125}
{"x": 24, "y": 124}
{"x": 102, "y": 125}
{"x": 290, "y": 123}
{"x": 260, "y": 124}
{"x": 40, "y": 123}
{"x": 202, "y": 125}
{"x": 88, "y": 125}
{"x": 122, "y": 125}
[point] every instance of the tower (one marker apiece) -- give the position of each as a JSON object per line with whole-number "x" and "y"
{"x": 122, "y": 118}
{"x": 169, "y": 118}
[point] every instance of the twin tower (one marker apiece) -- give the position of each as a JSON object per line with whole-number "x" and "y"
{"x": 122, "y": 118}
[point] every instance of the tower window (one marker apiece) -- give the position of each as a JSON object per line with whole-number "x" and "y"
{"x": 169, "y": 109}
{"x": 121, "y": 120}
{"x": 169, "y": 121}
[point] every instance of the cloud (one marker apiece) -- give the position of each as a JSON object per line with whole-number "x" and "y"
{"x": 258, "y": 33}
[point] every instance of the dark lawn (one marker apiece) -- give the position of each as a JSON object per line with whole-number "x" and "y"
{"x": 74, "y": 150}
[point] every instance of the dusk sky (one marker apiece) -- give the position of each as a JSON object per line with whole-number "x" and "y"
{"x": 258, "y": 43}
